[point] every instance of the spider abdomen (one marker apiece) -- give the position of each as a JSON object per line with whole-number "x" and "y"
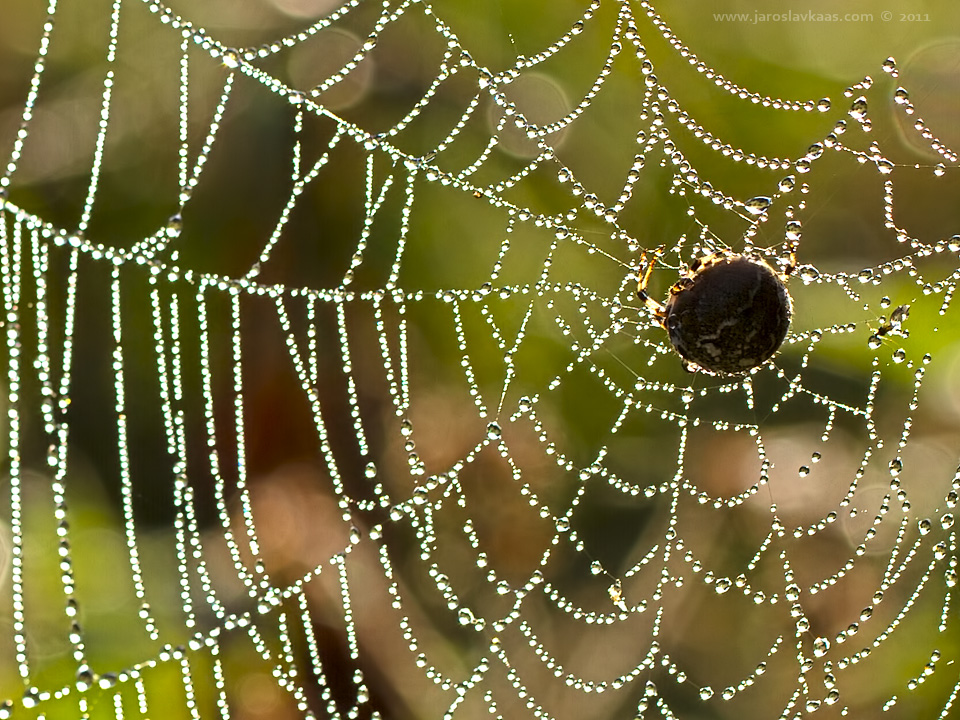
{"x": 730, "y": 315}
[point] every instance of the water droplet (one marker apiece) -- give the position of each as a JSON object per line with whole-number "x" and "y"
{"x": 174, "y": 226}
{"x": 370, "y": 471}
{"x": 946, "y": 521}
{"x": 901, "y": 96}
{"x": 787, "y": 184}
{"x": 885, "y": 167}
{"x": 890, "y": 66}
{"x": 6, "y": 710}
{"x": 823, "y": 104}
{"x": 231, "y": 58}
{"x": 809, "y": 274}
{"x": 820, "y": 647}
{"x": 722, "y": 585}
{"x": 71, "y": 608}
{"x": 85, "y": 678}
{"x": 596, "y": 568}
{"x": 792, "y": 230}
{"x": 858, "y": 110}
{"x": 406, "y": 428}
{"x": 493, "y": 431}
{"x": 31, "y": 698}
{"x": 757, "y": 205}
{"x": 563, "y": 524}
{"x": 874, "y": 341}
{"x": 804, "y": 471}
{"x": 706, "y": 692}
{"x": 899, "y": 355}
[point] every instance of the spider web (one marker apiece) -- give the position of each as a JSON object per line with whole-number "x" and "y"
{"x": 328, "y": 392}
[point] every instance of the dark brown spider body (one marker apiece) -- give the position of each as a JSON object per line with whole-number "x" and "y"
{"x": 728, "y": 315}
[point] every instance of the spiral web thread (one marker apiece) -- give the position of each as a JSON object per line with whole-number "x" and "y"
{"x": 519, "y": 503}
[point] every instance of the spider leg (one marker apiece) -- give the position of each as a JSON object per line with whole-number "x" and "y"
{"x": 791, "y": 261}
{"x": 653, "y": 305}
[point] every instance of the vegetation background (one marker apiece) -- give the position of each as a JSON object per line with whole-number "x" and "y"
{"x": 454, "y": 240}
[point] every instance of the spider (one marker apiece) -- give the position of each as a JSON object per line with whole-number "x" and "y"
{"x": 728, "y": 314}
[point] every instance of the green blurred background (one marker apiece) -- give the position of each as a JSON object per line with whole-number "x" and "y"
{"x": 454, "y": 240}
